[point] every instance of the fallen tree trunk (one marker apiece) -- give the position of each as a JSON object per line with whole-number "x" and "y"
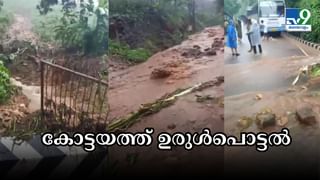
{"x": 167, "y": 100}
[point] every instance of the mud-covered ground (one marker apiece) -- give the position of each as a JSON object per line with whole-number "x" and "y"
{"x": 191, "y": 113}
{"x": 281, "y": 96}
{"x": 131, "y": 87}
{"x": 266, "y": 87}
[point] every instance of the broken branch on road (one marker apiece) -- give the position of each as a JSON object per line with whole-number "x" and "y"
{"x": 310, "y": 71}
{"x": 165, "y": 101}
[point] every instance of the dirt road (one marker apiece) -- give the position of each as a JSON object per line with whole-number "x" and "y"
{"x": 132, "y": 87}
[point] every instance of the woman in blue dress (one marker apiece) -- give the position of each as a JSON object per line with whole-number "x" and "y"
{"x": 232, "y": 38}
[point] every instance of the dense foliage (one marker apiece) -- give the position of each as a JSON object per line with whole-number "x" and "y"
{"x": 314, "y": 7}
{"x": 154, "y": 25}
{"x": 237, "y": 7}
{"x": 83, "y": 28}
{"x": 5, "y": 20}
{"x": 231, "y": 7}
{"x": 123, "y": 51}
{"x": 5, "y": 86}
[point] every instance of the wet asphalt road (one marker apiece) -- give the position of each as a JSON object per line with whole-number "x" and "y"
{"x": 261, "y": 72}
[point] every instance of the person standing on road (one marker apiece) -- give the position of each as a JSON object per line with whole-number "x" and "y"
{"x": 255, "y": 36}
{"x": 264, "y": 28}
{"x": 238, "y": 28}
{"x": 232, "y": 38}
{"x": 249, "y": 24}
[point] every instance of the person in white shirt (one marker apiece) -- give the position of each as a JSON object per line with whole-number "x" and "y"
{"x": 265, "y": 34}
{"x": 255, "y": 36}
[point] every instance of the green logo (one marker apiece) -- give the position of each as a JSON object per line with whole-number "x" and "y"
{"x": 304, "y": 17}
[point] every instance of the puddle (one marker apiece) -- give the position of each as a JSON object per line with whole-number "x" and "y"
{"x": 32, "y": 93}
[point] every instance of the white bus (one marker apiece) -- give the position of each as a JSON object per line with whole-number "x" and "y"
{"x": 272, "y": 14}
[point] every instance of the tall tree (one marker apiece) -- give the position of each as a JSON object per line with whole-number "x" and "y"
{"x": 231, "y": 7}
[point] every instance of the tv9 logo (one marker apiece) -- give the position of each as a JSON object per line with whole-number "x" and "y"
{"x": 298, "y": 20}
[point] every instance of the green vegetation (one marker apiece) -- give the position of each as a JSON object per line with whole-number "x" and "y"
{"x": 83, "y": 29}
{"x": 123, "y": 51}
{"x": 5, "y": 19}
{"x": 231, "y": 7}
{"x": 315, "y": 71}
{"x": 237, "y": 7}
{"x": 314, "y": 7}
{"x": 154, "y": 25}
{"x": 5, "y": 86}
{"x": 44, "y": 26}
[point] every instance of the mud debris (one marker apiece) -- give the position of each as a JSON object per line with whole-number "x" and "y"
{"x": 172, "y": 126}
{"x": 306, "y": 115}
{"x": 245, "y": 122}
{"x": 204, "y": 98}
{"x": 192, "y": 53}
{"x": 264, "y": 120}
{"x": 160, "y": 73}
{"x": 210, "y": 52}
{"x": 196, "y": 52}
{"x": 259, "y": 97}
{"x": 282, "y": 121}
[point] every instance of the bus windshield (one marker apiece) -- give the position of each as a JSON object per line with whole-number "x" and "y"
{"x": 271, "y": 9}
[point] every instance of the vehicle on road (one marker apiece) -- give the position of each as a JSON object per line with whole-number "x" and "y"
{"x": 271, "y": 13}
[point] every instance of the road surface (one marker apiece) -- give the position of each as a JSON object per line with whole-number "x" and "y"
{"x": 270, "y": 75}
{"x": 250, "y": 72}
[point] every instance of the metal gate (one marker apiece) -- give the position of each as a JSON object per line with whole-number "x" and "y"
{"x": 71, "y": 100}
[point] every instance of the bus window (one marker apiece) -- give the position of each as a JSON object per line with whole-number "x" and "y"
{"x": 271, "y": 9}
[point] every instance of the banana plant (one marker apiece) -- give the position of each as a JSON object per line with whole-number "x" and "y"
{"x": 82, "y": 27}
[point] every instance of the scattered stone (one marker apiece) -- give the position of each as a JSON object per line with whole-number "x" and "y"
{"x": 283, "y": 121}
{"x": 222, "y": 117}
{"x": 291, "y": 90}
{"x": 220, "y": 78}
{"x": 221, "y": 102}
{"x": 264, "y": 120}
{"x": 172, "y": 126}
{"x": 196, "y": 47}
{"x": 173, "y": 64}
{"x": 265, "y": 111}
{"x": 258, "y": 97}
{"x": 190, "y": 53}
{"x": 245, "y": 122}
{"x": 192, "y": 121}
{"x": 211, "y": 52}
{"x": 201, "y": 99}
{"x": 170, "y": 82}
{"x": 306, "y": 115}
{"x": 160, "y": 73}
{"x": 304, "y": 88}
{"x": 217, "y": 43}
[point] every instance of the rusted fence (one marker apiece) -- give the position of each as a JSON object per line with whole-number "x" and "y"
{"x": 72, "y": 100}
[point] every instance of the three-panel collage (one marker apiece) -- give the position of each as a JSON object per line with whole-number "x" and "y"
{"x": 104, "y": 88}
